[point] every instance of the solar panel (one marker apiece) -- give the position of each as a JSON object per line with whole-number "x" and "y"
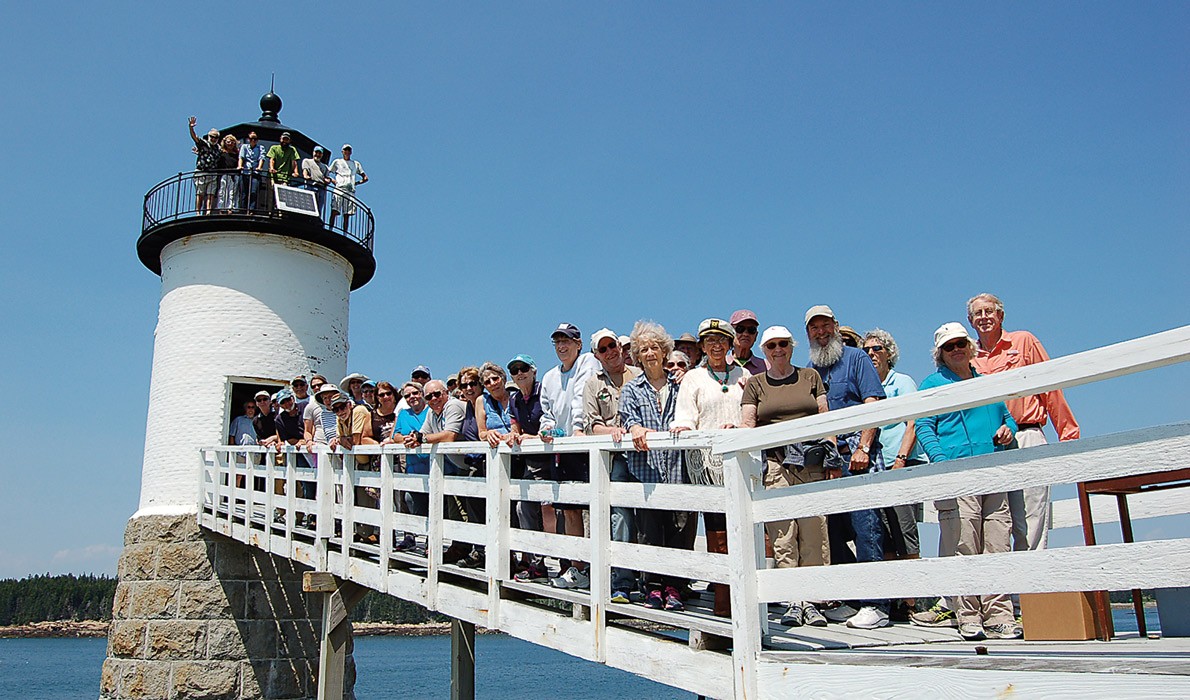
{"x": 296, "y": 200}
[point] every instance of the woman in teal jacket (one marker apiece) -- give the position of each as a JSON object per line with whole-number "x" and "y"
{"x": 970, "y": 524}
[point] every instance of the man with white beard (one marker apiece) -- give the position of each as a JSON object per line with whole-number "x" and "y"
{"x": 850, "y": 380}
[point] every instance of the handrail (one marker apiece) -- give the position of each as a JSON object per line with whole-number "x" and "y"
{"x": 175, "y": 199}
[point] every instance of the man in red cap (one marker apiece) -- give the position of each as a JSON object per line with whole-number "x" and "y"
{"x": 745, "y": 324}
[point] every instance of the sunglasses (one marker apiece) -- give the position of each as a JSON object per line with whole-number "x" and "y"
{"x": 469, "y": 385}
{"x": 519, "y": 370}
{"x": 492, "y": 379}
{"x": 954, "y": 345}
{"x": 340, "y": 406}
{"x": 410, "y": 395}
{"x": 675, "y": 365}
{"x": 776, "y": 344}
{"x": 433, "y": 395}
{"x": 607, "y": 348}
{"x": 420, "y": 376}
{"x": 750, "y": 330}
{"x": 382, "y": 394}
{"x": 874, "y": 348}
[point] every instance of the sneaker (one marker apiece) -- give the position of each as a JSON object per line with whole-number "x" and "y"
{"x": 936, "y": 616}
{"x": 793, "y": 615}
{"x": 868, "y": 618}
{"x": 840, "y": 613}
{"x": 406, "y": 544}
{"x": 812, "y": 617}
{"x": 971, "y": 631}
{"x": 636, "y": 596}
{"x": 571, "y": 578}
{"x": 673, "y": 601}
{"x": 531, "y": 574}
{"x": 474, "y": 560}
{"x": 620, "y": 597}
{"x": 1009, "y": 630}
{"x": 654, "y": 600}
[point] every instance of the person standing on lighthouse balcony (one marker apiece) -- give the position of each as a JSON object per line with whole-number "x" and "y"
{"x": 206, "y": 181}
{"x": 345, "y": 171}
{"x": 999, "y": 351}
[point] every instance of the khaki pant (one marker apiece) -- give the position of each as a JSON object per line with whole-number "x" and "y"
{"x": 800, "y": 542}
{"x": 972, "y": 525}
{"x": 1032, "y": 517}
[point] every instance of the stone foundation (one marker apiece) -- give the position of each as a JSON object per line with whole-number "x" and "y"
{"x": 197, "y": 615}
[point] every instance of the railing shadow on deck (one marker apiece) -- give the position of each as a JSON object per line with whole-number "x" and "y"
{"x": 233, "y": 503}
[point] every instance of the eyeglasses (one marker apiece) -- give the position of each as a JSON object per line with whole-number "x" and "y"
{"x": 469, "y": 385}
{"x": 749, "y": 330}
{"x": 716, "y": 339}
{"x": 433, "y": 395}
{"x": 954, "y": 345}
{"x": 980, "y": 313}
{"x": 382, "y": 394}
{"x": 607, "y": 348}
{"x": 561, "y": 341}
{"x": 874, "y": 348}
{"x": 520, "y": 370}
{"x": 773, "y": 345}
{"x": 369, "y": 390}
{"x": 675, "y": 365}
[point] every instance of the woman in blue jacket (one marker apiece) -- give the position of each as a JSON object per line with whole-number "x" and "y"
{"x": 970, "y": 524}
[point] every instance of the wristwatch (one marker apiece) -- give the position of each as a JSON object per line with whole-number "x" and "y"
{"x": 866, "y": 448}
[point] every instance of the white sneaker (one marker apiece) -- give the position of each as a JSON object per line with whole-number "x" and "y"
{"x": 971, "y": 631}
{"x": 571, "y": 578}
{"x": 840, "y": 613}
{"x": 868, "y": 618}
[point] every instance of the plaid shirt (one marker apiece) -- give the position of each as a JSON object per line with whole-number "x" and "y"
{"x": 639, "y": 405}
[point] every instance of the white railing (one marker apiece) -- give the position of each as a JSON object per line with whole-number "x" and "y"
{"x": 232, "y": 506}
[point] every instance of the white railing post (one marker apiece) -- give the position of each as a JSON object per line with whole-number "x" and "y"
{"x": 387, "y": 507}
{"x": 291, "y": 462}
{"x": 270, "y": 487}
{"x": 347, "y": 534}
{"x": 498, "y": 520}
{"x": 325, "y": 526}
{"x": 601, "y": 535}
{"x": 742, "y": 476}
{"x": 434, "y": 528}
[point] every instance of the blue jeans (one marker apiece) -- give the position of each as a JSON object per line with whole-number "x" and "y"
{"x": 623, "y": 525}
{"x": 864, "y": 527}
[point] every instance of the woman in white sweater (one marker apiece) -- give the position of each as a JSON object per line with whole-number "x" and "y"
{"x": 709, "y": 399}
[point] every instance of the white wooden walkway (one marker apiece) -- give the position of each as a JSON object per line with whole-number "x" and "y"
{"x": 762, "y": 659}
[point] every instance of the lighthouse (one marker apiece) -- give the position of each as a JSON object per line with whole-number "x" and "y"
{"x": 254, "y": 292}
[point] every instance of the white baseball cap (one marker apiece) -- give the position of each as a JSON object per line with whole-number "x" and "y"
{"x": 600, "y": 335}
{"x": 774, "y": 332}
{"x": 948, "y": 332}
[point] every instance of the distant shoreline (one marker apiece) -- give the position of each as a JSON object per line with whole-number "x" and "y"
{"x": 81, "y": 629}
{"x": 97, "y": 628}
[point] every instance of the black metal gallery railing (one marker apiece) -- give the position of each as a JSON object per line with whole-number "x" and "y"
{"x": 214, "y": 194}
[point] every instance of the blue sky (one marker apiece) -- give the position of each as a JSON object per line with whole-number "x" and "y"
{"x": 598, "y": 163}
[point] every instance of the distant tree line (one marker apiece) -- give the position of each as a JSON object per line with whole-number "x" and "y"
{"x": 378, "y": 607}
{"x": 50, "y": 598}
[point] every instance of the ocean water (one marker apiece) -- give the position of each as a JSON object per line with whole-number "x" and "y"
{"x": 410, "y": 667}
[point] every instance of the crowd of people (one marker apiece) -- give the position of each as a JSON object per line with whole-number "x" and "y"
{"x": 628, "y": 386}
{"x": 239, "y": 177}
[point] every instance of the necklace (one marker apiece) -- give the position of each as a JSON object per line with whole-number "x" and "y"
{"x": 722, "y": 382}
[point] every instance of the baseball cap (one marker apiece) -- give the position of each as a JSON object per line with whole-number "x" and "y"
{"x": 348, "y": 147}
{"x": 282, "y": 395}
{"x": 523, "y": 359}
{"x": 742, "y": 315}
{"x": 421, "y": 369}
{"x": 263, "y": 393}
{"x": 567, "y": 329}
{"x": 820, "y": 310}
{"x": 773, "y": 332}
{"x": 600, "y": 335}
{"x": 948, "y": 332}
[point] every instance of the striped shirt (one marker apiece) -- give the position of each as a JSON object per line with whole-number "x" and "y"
{"x": 641, "y": 404}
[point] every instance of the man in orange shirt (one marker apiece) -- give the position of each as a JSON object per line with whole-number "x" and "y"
{"x": 1000, "y": 350}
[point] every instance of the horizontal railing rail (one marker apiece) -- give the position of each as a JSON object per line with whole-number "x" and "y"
{"x": 235, "y": 502}
{"x": 250, "y": 194}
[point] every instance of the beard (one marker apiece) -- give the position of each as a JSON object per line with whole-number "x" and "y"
{"x": 829, "y": 355}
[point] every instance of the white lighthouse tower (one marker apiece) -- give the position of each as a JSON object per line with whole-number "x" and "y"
{"x": 252, "y": 295}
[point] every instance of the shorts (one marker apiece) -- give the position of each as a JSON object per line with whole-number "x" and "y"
{"x": 343, "y": 204}
{"x": 205, "y": 183}
{"x": 572, "y": 467}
